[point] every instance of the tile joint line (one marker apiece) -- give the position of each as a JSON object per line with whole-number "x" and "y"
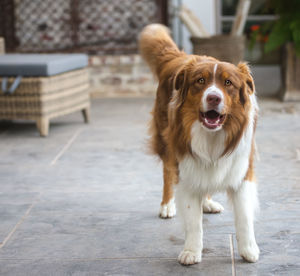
{"x": 10, "y": 234}
{"x": 233, "y": 272}
{"x": 65, "y": 148}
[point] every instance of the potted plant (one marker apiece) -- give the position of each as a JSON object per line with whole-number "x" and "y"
{"x": 224, "y": 47}
{"x": 286, "y": 32}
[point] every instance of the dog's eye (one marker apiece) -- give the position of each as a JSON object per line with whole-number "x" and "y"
{"x": 228, "y": 82}
{"x": 201, "y": 80}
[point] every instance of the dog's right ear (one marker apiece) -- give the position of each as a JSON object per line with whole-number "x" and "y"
{"x": 180, "y": 86}
{"x": 179, "y": 79}
{"x": 179, "y": 93}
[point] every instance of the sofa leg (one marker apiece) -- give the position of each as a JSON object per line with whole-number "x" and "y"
{"x": 86, "y": 114}
{"x": 43, "y": 126}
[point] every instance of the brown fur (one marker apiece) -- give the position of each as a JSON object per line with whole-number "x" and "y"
{"x": 250, "y": 176}
{"x": 178, "y": 99}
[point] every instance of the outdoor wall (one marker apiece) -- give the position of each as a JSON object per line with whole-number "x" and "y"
{"x": 114, "y": 76}
{"x": 125, "y": 75}
{"x": 128, "y": 75}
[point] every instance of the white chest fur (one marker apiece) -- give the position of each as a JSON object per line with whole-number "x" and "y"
{"x": 206, "y": 172}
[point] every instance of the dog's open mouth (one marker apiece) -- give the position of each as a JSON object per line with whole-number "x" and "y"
{"x": 212, "y": 119}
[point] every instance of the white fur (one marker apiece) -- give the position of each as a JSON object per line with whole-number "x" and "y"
{"x": 213, "y": 90}
{"x": 245, "y": 203}
{"x": 215, "y": 70}
{"x": 211, "y": 206}
{"x": 168, "y": 210}
{"x": 190, "y": 207}
{"x": 206, "y": 173}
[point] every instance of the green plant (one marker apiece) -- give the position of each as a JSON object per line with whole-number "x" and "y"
{"x": 259, "y": 33}
{"x": 287, "y": 27}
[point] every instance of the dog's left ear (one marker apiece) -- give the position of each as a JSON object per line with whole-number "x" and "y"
{"x": 246, "y": 73}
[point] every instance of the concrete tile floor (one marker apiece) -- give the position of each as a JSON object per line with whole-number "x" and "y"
{"x": 84, "y": 201}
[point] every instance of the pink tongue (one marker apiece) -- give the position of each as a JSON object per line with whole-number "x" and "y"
{"x": 212, "y": 120}
{"x": 212, "y": 117}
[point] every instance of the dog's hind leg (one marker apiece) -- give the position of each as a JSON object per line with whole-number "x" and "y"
{"x": 167, "y": 207}
{"x": 211, "y": 206}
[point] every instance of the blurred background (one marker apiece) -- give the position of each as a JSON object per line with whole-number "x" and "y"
{"x": 107, "y": 31}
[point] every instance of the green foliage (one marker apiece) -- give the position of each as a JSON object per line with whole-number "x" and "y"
{"x": 260, "y": 33}
{"x": 253, "y": 39}
{"x": 287, "y": 27}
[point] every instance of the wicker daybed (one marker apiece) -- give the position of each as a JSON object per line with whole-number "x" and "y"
{"x": 40, "y": 87}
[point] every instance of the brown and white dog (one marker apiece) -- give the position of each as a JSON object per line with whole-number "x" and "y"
{"x": 203, "y": 130}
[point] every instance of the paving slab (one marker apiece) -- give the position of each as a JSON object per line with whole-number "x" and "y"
{"x": 84, "y": 201}
{"x": 124, "y": 267}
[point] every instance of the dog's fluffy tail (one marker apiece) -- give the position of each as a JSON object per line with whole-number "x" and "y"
{"x": 157, "y": 47}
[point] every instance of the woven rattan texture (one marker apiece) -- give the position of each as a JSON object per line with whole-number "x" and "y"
{"x": 46, "y": 96}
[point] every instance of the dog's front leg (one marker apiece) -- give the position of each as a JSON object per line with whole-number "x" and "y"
{"x": 244, "y": 202}
{"x": 190, "y": 209}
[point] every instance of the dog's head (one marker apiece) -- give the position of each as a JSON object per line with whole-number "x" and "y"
{"x": 215, "y": 93}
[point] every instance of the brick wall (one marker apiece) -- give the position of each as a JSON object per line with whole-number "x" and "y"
{"x": 125, "y": 75}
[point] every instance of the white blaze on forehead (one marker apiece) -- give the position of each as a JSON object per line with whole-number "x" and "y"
{"x": 215, "y": 70}
{"x": 213, "y": 90}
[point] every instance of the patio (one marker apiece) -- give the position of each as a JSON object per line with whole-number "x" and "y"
{"x": 84, "y": 201}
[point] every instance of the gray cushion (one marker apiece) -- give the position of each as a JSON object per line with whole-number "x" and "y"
{"x": 40, "y": 64}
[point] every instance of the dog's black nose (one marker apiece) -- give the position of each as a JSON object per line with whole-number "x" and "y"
{"x": 213, "y": 100}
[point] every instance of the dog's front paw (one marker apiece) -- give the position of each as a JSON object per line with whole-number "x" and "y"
{"x": 187, "y": 257}
{"x": 210, "y": 206}
{"x": 249, "y": 252}
{"x": 168, "y": 210}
